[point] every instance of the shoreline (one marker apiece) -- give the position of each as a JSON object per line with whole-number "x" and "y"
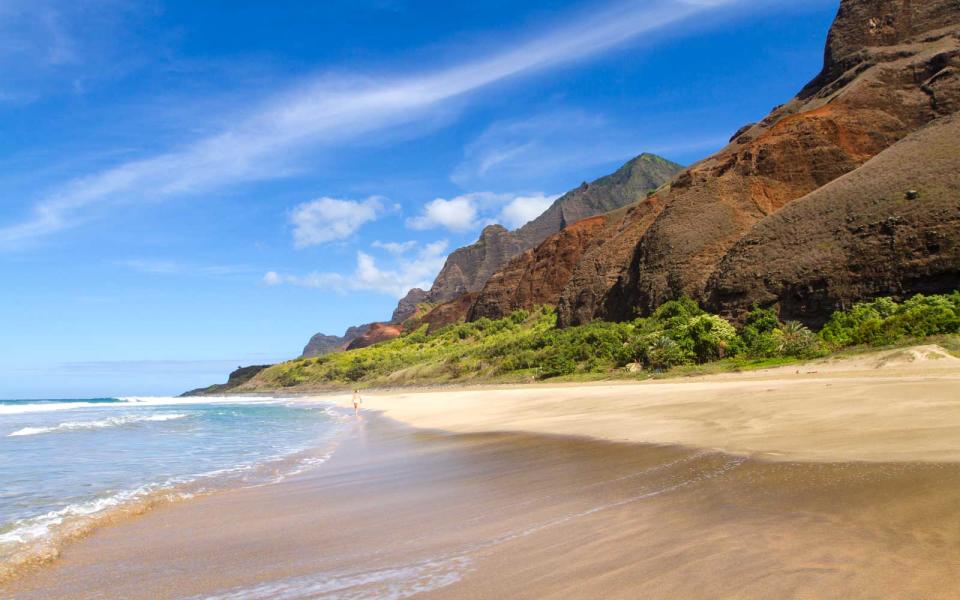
{"x": 398, "y": 512}
{"x": 43, "y": 537}
{"x": 862, "y": 419}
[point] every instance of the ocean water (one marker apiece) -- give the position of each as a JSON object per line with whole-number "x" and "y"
{"x": 67, "y": 465}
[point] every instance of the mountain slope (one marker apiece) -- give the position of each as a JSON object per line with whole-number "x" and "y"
{"x": 890, "y": 228}
{"x": 891, "y": 67}
{"x": 537, "y": 276}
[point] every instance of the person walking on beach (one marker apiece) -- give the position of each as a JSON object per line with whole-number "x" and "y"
{"x": 357, "y": 401}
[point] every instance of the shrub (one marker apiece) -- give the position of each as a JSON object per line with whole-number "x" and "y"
{"x": 519, "y": 317}
{"x": 883, "y": 321}
{"x": 664, "y": 353}
{"x": 676, "y": 313}
{"x": 797, "y": 340}
{"x": 711, "y": 337}
{"x": 758, "y": 333}
{"x": 357, "y": 370}
{"x": 558, "y": 364}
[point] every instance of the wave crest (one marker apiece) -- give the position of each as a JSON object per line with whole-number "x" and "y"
{"x": 98, "y": 424}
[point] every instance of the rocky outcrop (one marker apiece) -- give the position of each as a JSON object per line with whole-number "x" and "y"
{"x": 891, "y": 67}
{"x": 321, "y": 343}
{"x": 237, "y": 378}
{"x": 445, "y": 314}
{"x": 890, "y": 228}
{"x": 408, "y": 305}
{"x": 468, "y": 268}
{"x": 377, "y": 333}
{"x": 537, "y": 276}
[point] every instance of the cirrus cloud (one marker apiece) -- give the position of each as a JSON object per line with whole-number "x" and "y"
{"x": 264, "y": 142}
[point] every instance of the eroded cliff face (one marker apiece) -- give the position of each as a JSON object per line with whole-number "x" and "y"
{"x": 408, "y": 305}
{"x": 321, "y": 343}
{"x": 603, "y": 266}
{"x": 891, "y": 67}
{"x": 890, "y": 228}
{"x": 444, "y": 314}
{"x": 537, "y": 276}
{"x": 377, "y": 333}
{"x": 468, "y": 268}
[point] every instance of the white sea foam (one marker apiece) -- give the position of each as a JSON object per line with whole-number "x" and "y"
{"x": 18, "y": 409}
{"x": 34, "y": 528}
{"x": 40, "y": 528}
{"x": 125, "y": 402}
{"x": 393, "y": 583}
{"x": 26, "y": 535}
{"x": 98, "y": 424}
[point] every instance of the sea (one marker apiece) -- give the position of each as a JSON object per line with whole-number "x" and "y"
{"x": 68, "y": 465}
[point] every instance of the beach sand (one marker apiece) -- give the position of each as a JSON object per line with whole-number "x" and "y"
{"x": 898, "y": 405}
{"x": 838, "y": 484}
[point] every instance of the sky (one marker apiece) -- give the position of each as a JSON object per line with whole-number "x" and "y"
{"x": 186, "y": 186}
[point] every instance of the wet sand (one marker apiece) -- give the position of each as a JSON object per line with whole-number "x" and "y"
{"x": 398, "y": 512}
{"x": 843, "y": 483}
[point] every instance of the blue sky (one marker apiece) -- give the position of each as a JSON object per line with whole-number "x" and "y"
{"x": 190, "y": 186}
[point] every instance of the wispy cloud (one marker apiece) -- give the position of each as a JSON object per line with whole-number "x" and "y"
{"x": 172, "y": 267}
{"x": 330, "y": 110}
{"x": 415, "y": 268}
{"x": 396, "y": 248}
{"x": 519, "y": 151}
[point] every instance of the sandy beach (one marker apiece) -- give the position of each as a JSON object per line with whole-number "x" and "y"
{"x": 897, "y": 405}
{"x": 840, "y": 481}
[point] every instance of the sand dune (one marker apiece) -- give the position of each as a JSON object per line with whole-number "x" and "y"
{"x": 897, "y": 405}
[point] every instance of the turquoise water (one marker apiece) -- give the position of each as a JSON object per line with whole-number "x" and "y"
{"x": 65, "y": 464}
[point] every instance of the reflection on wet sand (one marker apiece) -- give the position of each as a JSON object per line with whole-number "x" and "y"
{"x": 397, "y": 513}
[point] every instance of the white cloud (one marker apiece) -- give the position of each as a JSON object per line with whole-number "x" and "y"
{"x": 328, "y": 219}
{"x": 456, "y": 214}
{"x": 406, "y": 273}
{"x": 478, "y": 209}
{"x": 523, "y": 209}
{"x": 328, "y": 111}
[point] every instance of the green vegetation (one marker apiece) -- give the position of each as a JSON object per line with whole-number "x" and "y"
{"x": 884, "y": 322}
{"x": 679, "y": 337}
